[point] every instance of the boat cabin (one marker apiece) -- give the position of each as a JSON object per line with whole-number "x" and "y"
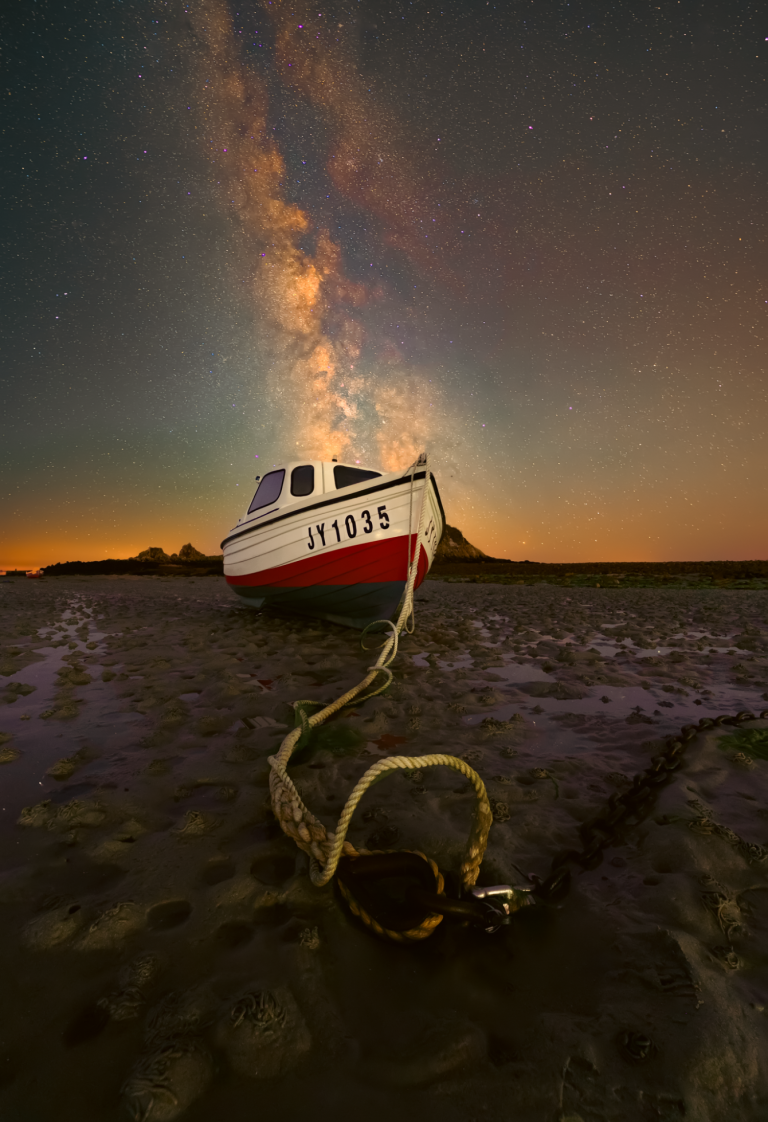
{"x": 288, "y": 483}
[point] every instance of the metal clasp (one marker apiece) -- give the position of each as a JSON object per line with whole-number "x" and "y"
{"x": 503, "y": 901}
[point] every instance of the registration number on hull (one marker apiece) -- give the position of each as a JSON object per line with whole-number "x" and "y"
{"x": 347, "y": 528}
{"x": 323, "y": 534}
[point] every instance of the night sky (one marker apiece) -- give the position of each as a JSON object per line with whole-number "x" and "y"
{"x": 528, "y": 237}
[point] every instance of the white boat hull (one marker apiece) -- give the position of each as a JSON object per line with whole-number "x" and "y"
{"x": 341, "y": 555}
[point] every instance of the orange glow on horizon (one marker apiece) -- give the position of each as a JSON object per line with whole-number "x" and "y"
{"x": 519, "y": 537}
{"x": 34, "y": 550}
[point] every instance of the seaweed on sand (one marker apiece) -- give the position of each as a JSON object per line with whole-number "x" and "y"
{"x": 752, "y": 742}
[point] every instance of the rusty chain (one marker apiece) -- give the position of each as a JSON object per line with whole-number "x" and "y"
{"x": 629, "y": 809}
{"x": 394, "y": 912}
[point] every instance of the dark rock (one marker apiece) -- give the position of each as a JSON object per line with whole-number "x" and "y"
{"x": 189, "y": 553}
{"x": 153, "y": 553}
{"x": 453, "y": 544}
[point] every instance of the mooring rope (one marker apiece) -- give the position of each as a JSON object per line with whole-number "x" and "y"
{"x": 325, "y": 848}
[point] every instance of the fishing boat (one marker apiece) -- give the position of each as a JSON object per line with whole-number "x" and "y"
{"x": 334, "y": 540}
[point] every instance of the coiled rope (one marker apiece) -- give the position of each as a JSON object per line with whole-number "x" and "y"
{"x": 325, "y": 848}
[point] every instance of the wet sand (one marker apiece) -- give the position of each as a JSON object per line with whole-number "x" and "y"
{"x": 163, "y": 951}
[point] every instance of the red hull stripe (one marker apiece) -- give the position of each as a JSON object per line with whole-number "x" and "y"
{"x": 367, "y": 563}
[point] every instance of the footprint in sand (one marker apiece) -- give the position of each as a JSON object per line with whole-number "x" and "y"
{"x": 143, "y": 971}
{"x": 113, "y": 927}
{"x": 196, "y": 824}
{"x": 123, "y": 1004}
{"x": 273, "y": 869}
{"x": 169, "y": 914}
{"x": 182, "y": 1013}
{"x": 176, "y": 1067}
{"x": 166, "y": 1081}
{"x": 55, "y": 928}
{"x": 234, "y": 934}
{"x": 263, "y": 1034}
{"x": 217, "y": 870}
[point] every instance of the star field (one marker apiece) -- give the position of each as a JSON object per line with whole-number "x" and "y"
{"x": 529, "y": 238}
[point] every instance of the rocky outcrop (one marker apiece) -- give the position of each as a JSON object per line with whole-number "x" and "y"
{"x": 186, "y": 553}
{"x": 454, "y": 545}
{"x": 189, "y": 553}
{"x": 154, "y": 553}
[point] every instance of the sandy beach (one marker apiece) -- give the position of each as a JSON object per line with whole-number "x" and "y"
{"x": 164, "y": 953}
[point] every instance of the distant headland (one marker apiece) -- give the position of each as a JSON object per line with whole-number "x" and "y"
{"x": 153, "y": 561}
{"x": 458, "y": 560}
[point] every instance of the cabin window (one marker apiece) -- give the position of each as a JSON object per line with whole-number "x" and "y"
{"x": 303, "y": 480}
{"x": 346, "y": 476}
{"x": 268, "y": 491}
